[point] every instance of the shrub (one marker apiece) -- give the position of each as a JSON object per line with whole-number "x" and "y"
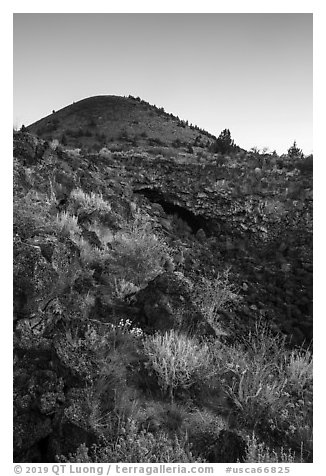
{"x": 90, "y": 255}
{"x": 203, "y": 427}
{"x": 270, "y": 388}
{"x": 33, "y": 211}
{"x": 130, "y": 258}
{"x": 213, "y": 295}
{"x": 89, "y": 202}
{"x": 54, "y": 144}
{"x": 133, "y": 446}
{"x": 260, "y": 453}
{"x": 177, "y": 360}
{"x": 107, "y": 352}
{"x": 67, "y": 224}
{"x": 123, "y": 288}
{"x": 110, "y": 399}
{"x": 257, "y": 385}
{"x": 299, "y": 370}
{"x": 257, "y": 392}
{"x": 138, "y": 254}
{"x": 105, "y": 153}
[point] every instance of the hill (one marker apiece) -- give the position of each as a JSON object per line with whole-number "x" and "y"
{"x": 162, "y": 299}
{"x": 101, "y": 120}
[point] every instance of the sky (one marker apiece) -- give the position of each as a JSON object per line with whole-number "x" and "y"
{"x": 250, "y": 73}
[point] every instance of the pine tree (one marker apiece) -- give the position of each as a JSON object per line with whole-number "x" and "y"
{"x": 223, "y": 144}
{"x": 294, "y": 151}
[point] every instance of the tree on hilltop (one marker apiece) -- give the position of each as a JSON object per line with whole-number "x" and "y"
{"x": 223, "y": 144}
{"x": 294, "y": 151}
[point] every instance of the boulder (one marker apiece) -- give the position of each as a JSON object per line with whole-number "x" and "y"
{"x": 166, "y": 304}
{"x": 33, "y": 279}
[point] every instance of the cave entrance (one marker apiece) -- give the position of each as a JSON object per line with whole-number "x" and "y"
{"x": 195, "y": 222}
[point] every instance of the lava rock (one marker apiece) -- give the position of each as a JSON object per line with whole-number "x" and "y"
{"x": 33, "y": 279}
{"x": 166, "y": 304}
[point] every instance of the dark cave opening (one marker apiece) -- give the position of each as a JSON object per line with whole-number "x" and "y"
{"x": 195, "y": 222}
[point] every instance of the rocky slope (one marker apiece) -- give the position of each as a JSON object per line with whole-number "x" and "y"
{"x": 114, "y": 246}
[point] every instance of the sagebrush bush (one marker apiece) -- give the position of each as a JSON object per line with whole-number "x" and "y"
{"x": 89, "y": 202}
{"x": 260, "y": 453}
{"x": 33, "y": 211}
{"x": 138, "y": 254}
{"x": 271, "y": 389}
{"x": 130, "y": 258}
{"x": 134, "y": 446}
{"x": 255, "y": 382}
{"x": 107, "y": 353}
{"x": 213, "y": 295}
{"x": 177, "y": 360}
{"x": 299, "y": 370}
{"x": 67, "y": 224}
{"x": 123, "y": 288}
{"x": 203, "y": 428}
{"x": 296, "y": 418}
{"x": 91, "y": 255}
